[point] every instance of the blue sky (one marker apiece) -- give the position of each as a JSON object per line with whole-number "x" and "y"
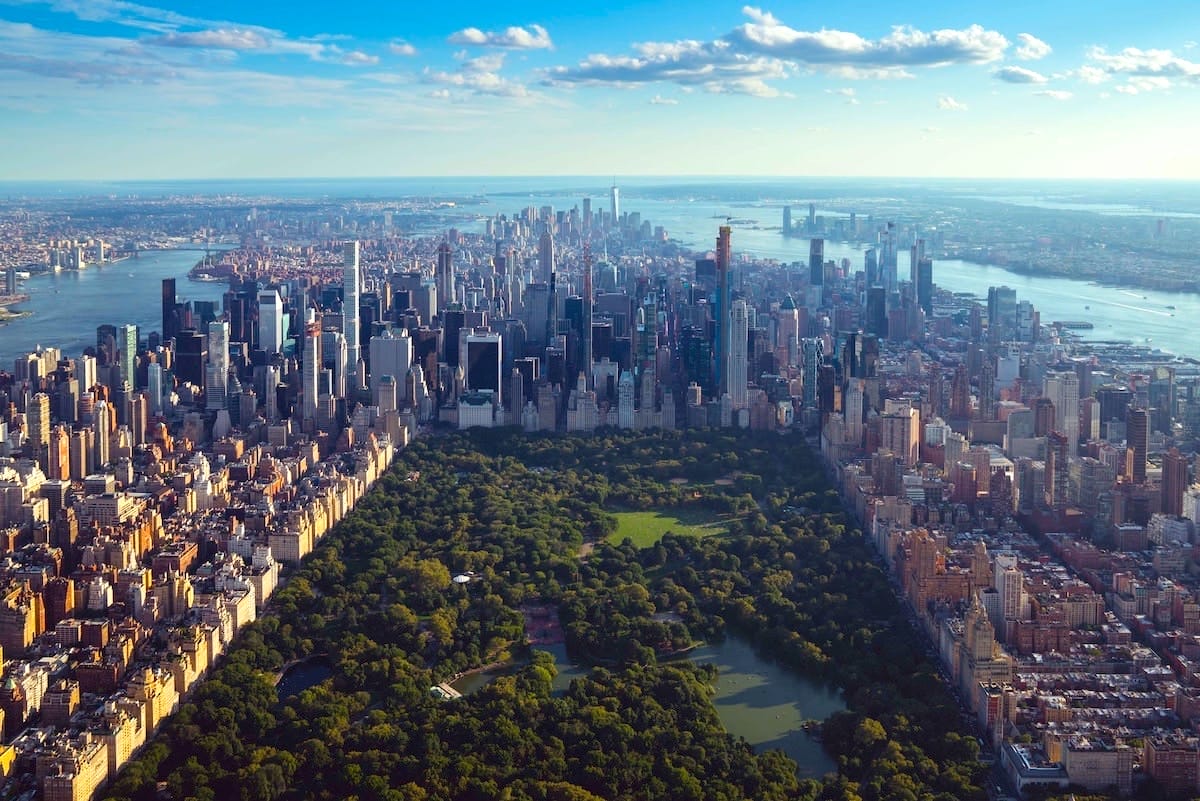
{"x": 109, "y": 89}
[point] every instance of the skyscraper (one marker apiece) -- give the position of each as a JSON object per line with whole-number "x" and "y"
{"x": 615, "y": 197}
{"x": 482, "y": 368}
{"x": 787, "y": 220}
{"x": 721, "y": 310}
{"x": 392, "y": 353}
{"x": 351, "y": 288}
{"x": 216, "y": 375}
{"x": 127, "y": 345}
{"x": 1063, "y": 390}
{"x": 738, "y": 360}
{"x": 1137, "y": 441}
{"x": 816, "y": 261}
{"x": 546, "y": 255}
{"x": 270, "y": 321}
{"x": 1174, "y": 482}
{"x": 170, "y": 320}
{"x": 445, "y": 274}
{"x": 925, "y": 285}
{"x": 309, "y": 370}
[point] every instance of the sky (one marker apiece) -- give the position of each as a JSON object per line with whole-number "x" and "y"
{"x": 117, "y": 90}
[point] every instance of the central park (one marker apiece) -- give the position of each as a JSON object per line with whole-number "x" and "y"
{"x": 657, "y": 560}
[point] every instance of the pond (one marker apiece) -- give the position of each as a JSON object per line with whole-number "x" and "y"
{"x": 757, "y": 699}
{"x": 302, "y": 675}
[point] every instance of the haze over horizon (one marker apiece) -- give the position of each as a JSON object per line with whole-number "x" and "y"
{"x": 110, "y": 89}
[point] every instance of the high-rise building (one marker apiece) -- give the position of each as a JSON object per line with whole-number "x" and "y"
{"x": 392, "y": 354}
{"x": 270, "y": 321}
{"x": 1137, "y": 439}
{"x": 482, "y": 363}
{"x": 721, "y": 307}
{"x": 351, "y": 288}
{"x": 445, "y": 274}
{"x": 170, "y": 317}
{"x": 1063, "y": 390}
{"x": 127, "y": 347}
{"x": 1058, "y": 472}
{"x": 217, "y": 373}
{"x": 816, "y": 261}
{"x": 787, "y": 220}
{"x": 310, "y": 368}
{"x": 37, "y": 421}
{"x": 546, "y": 255}
{"x": 615, "y": 198}
{"x": 1002, "y": 314}
{"x": 154, "y": 388}
{"x": 739, "y": 335}
{"x": 1174, "y": 482}
{"x": 925, "y": 285}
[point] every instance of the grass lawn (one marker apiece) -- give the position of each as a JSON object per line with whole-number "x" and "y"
{"x": 647, "y": 528}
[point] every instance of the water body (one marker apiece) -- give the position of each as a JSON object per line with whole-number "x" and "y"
{"x": 301, "y": 676}
{"x": 757, "y": 700}
{"x": 67, "y": 307}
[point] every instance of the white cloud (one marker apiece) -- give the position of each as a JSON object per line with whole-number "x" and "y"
{"x": 216, "y": 38}
{"x": 869, "y": 73}
{"x": 1135, "y": 61}
{"x": 1054, "y": 94}
{"x": 659, "y": 100}
{"x": 399, "y": 47}
{"x": 904, "y": 46}
{"x": 948, "y": 103}
{"x": 1018, "y": 75}
{"x": 535, "y": 37}
{"x": 479, "y": 75}
{"x": 1139, "y": 84}
{"x": 357, "y": 58}
{"x": 1090, "y": 74}
{"x": 1031, "y": 48}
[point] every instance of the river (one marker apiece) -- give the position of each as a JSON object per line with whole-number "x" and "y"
{"x": 66, "y": 307}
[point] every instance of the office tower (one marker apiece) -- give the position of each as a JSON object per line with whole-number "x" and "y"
{"x": 787, "y": 220}
{"x": 270, "y": 321}
{"x": 816, "y": 261}
{"x": 106, "y": 345}
{"x": 37, "y": 422}
{"x": 1002, "y": 314}
{"x": 10, "y": 281}
{"x": 217, "y": 372}
{"x": 190, "y": 356}
{"x": 1044, "y": 415}
{"x": 721, "y": 310}
{"x": 1137, "y": 439}
{"x": 925, "y": 285}
{"x": 81, "y": 456}
{"x": 1058, "y": 473}
{"x": 1063, "y": 390}
{"x": 102, "y": 429}
{"x": 384, "y": 396}
{"x": 154, "y": 388}
{"x": 811, "y": 357}
{"x": 871, "y": 267}
{"x": 58, "y": 461}
{"x": 739, "y": 335}
{"x": 876, "y": 314}
{"x": 333, "y": 357}
{"x": 392, "y": 354}
{"x": 1174, "y": 482}
{"x": 615, "y": 198}
{"x": 127, "y": 346}
{"x": 888, "y": 261}
{"x": 445, "y": 273}
{"x": 482, "y": 363}
{"x": 587, "y": 215}
{"x": 588, "y": 299}
{"x": 170, "y": 315}
{"x": 351, "y": 288}
{"x": 309, "y": 370}
{"x": 546, "y": 255}
{"x": 812, "y": 217}
{"x": 136, "y": 415}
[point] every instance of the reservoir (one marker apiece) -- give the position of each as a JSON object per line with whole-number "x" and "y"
{"x": 758, "y": 700}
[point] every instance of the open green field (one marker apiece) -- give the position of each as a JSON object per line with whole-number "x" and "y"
{"x": 647, "y": 528}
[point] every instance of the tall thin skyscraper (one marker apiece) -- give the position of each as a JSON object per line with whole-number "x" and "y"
{"x": 170, "y": 321}
{"x": 546, "y": 255}
{"x": 309, "y": 370}
{"x": 1137, "y": 442}
{"x": 1063, "y": 390}
{"x": 721, "y": 340}
{"x": 127, "y": 345}
{"x": 154, "y": 388}
{"x": 588, "y": 299}
{"x": 351, "y": 286}
{"x": 616, "y": 206}
{"x": 739, "y": 333}
{"x": 445, "y": 274}
{"x": 216, "y": 375}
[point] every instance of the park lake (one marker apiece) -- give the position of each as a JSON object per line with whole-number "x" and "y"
{"x": 757, "y": 699}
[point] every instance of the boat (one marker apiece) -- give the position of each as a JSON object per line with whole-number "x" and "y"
{"x": 1172, "y": 308}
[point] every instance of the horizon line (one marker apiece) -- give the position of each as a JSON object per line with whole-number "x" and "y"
{"x": 608, "y": 178}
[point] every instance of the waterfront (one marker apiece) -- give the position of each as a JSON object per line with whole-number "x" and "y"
{"x": 64, "y": 308}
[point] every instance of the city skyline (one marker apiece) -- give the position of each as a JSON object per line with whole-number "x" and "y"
{"x": 112, "y": 89}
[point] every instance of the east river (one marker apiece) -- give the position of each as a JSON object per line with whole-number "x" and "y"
{"x": 66, "y": 307}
